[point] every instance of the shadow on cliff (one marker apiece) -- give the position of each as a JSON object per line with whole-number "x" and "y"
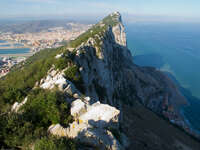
{"x": 191, "y": 112}
{"x": 113, "y": 57}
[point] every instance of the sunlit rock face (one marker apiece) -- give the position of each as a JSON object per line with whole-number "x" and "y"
{"x": 16, "y": 106}
{"x": 56, "y": 79}
{"x": 119, "y": 34}
{"x": 91, "y": 125}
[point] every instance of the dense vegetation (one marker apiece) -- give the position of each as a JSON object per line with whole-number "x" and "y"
{"x": 43, "y": 108}
{"x": 72, "y": 74}
{"x": 65, "y": 60}
{"x": 53, "y": 143}
{"x": 20, "y": 81}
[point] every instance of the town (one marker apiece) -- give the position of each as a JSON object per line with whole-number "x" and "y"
{"x": 49, "y": 38}
{"x": 7, "y": 62}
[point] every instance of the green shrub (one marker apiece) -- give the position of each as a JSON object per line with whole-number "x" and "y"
{"x": 16, "y": 132}
{"x": 45, "y": 107}
{"x": 22, "y": 78}
{"x": 72, "y": 73}
{"x": 61, "y": 63}
{"x": 68, "y": 57}
{"x": 53, "y": 143}
{"x": 42, "y": 109}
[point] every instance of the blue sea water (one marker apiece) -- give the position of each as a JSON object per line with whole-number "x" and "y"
{"x": 173, "y": 48}
{"x": 12, "y": 51}
{"x": 5, "y": 45}
{"x": 2, "y": 41}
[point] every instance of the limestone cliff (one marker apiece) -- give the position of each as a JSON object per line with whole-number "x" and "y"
{"x": 112, "y": 89}
{"x": 111, "y": 76}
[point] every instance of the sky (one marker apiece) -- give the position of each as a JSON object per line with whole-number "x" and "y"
{"x": 182, "y": 9}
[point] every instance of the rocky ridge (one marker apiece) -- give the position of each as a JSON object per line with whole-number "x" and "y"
{"x": 111, "y": 83}
{"x": 93, "y": 120}
{"x": 111, "y": 77}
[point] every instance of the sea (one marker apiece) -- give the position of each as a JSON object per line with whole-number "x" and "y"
{"x": 12, "y": 51}
{"x": 173, "y": 48}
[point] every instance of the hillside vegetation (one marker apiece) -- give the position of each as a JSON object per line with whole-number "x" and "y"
{"x": 44, "y": 107}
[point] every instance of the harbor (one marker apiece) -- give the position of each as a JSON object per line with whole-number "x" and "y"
{"x": 12, "y": 45}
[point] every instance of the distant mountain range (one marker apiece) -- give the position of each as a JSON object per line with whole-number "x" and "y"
{"x": 32, "y": 26}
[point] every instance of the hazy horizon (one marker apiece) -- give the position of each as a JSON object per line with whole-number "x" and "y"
{"x": 94, "y": 10}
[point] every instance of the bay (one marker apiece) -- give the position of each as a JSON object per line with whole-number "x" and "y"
{"x": 14, "y": 51}
{"x": 1, "y": 41}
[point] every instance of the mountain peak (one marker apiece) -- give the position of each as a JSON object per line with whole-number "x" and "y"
{"x": 116, "y": 15}
{"x": 111, "y": 21}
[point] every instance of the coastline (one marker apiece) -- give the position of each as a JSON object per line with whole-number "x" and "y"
{"x": 17, "y": 55}
{"x": 16, "y": 46}
{"x": 194, "y": 132}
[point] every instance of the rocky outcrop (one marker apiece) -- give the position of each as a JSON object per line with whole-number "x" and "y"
{"x": 16, "y": 106}
{"x": 113, "y": 78}
{"x": 119, "y": 31}
{"x": 91, "y": 125}
{"x": 93, "y": 121}
{"x": 56, "y": 79}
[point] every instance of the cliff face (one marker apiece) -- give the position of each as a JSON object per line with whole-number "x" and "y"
{"x": 108, "y": 92}
{"x": 110, "y": 75}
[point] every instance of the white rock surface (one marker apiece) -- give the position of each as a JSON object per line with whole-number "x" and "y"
{"x": 57, "y": 130}
{"x": 51, "y": 81}
{"x": 100, "y": 115}
{"x": 57, "y": 79}
{"x": 119, "y": 34}
{"x": 76, "y": 107}
{"x": 89, "y": 126}
{"x": 59, "y": 56}
{"x": 16, "y": 106}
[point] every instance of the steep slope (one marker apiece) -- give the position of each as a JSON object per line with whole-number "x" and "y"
{"x": 110, "y": 75}
{"x": 147, "y": 131}
{"x": 91, "y": 95}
